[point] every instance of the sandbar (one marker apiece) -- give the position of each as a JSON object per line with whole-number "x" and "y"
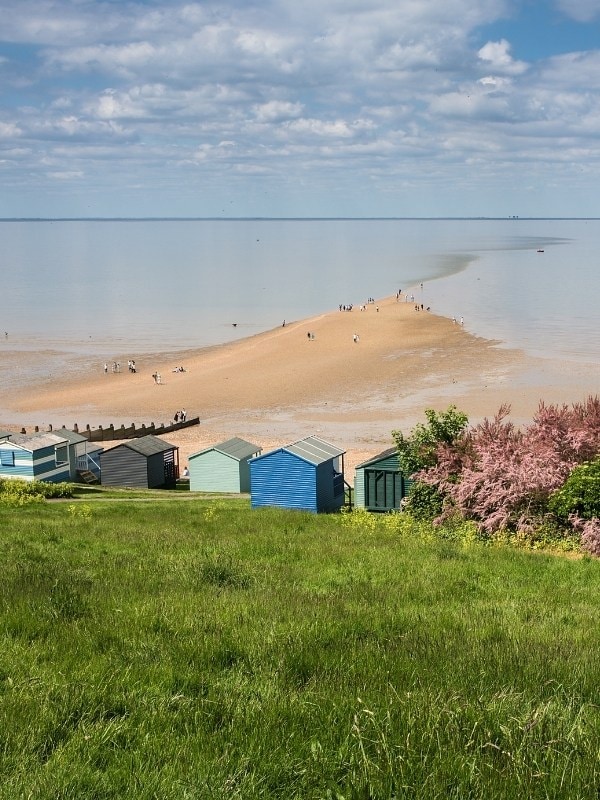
{"x": 350, "y": 377}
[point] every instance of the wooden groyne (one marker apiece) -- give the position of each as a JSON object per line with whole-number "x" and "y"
{"x": 112, "y": 433}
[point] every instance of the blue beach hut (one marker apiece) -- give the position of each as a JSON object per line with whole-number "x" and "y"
{"x": 307, "y": 475}
{"x": 35, "y": 457}
{"x": 48, "y": 456}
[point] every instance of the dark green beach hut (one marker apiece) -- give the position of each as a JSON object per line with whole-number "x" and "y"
{"x": 379, "y": 484}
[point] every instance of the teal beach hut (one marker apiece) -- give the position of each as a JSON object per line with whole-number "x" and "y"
{"x": 224, "y": 467}
{"x": 307, "y": 475}
{"x": 379, "y": 484}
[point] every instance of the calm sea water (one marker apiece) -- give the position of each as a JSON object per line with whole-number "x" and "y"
{"x": 97, "y": 289}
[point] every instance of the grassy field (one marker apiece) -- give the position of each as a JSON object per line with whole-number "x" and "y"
{"x": 199, "y": 649}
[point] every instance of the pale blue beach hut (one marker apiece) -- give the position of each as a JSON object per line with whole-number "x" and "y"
{"x": 224, "y": 467}
{"x": 308, "y": 475}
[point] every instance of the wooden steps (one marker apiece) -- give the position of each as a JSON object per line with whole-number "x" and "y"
{"x": 87, "y": 476}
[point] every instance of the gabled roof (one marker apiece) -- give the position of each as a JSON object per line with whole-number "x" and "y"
{"x": 391, "y": 451}
{"x": 36, "y": 441}
{"x": 70, "y": 436}
{"x": 314, "y": 450}
{"x": 235, "y": 448}
{"x": 147, "y": 445}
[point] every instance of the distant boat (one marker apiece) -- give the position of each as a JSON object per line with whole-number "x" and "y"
{"x": 540, "y": 251}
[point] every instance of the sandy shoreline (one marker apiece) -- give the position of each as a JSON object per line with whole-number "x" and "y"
{"x": 279, "y": 386}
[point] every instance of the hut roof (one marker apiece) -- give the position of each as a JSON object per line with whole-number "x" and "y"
{"x": 71, "y": 436}
{"x": 147, "y": 445}
{"x": 76, "y": 438}
{"x": 236, "y": 448}
{"x": 314, "y": 450}
{"x": 36, "y": 441}
{"x": 391, "y": 451}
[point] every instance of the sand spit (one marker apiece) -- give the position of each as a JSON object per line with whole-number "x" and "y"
{"x": 350, "y": 377}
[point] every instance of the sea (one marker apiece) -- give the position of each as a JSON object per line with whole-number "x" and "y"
{"x": 76, "y": 293}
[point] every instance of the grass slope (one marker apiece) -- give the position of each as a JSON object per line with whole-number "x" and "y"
{"x": 204, "y": 650}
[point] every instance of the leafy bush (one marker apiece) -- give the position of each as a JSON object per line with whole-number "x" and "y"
{"x": 424, "y": 502}
{"x": 16, "y": 492}
{"x": 419, "y": 449}
{"x": 548, "y": 536}
{"x": 55, "y": 490}
{"x": 580, "y": 493}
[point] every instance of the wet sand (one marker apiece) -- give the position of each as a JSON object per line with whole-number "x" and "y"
{"x": 282, "y": 385}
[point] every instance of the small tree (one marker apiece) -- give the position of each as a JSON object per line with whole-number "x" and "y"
{"x": 418, "y": 452}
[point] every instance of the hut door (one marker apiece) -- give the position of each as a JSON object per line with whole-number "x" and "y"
{"x": 383, "y": 490}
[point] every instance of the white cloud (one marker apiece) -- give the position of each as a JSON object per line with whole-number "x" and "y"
{"x": 66, "y": 175}
{"x": 263, "y": 88}
{"x": 9, "y": 130}
{"x": 580, "y": 10}
{"x": 497, "y": 55}
{"x": 277, "y": 110}
{"x": 321, "y": 128}
{"x": 219, "y": 151}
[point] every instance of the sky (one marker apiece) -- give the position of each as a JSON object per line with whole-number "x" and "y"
{"x": 299, "y": 108}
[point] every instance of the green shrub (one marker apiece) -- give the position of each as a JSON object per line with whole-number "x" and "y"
{"x": 548, "y": 535}
{"x": 580, "y": 494}
{"x": 55, "y": 490}
{"x": 424, "y": 502}
{"x": 18, "y": 492}
{"x": 359, "y": 519}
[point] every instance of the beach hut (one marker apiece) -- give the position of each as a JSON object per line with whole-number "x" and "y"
{"x": 144, "y": 463}
{"x": 83, "y": 456}
{"x": 308, "y": 474}
{"x": 38, "y": 456}
{"x": 223, "y": 467}
{"x": 379, "y": 484}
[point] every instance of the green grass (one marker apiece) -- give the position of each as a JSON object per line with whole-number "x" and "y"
{"x": 200, "y": 649}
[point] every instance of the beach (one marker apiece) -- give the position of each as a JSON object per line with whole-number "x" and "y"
{"x": 349, "y": 377}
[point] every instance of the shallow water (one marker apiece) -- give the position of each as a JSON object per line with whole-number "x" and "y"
{"x": 98, "y": 290}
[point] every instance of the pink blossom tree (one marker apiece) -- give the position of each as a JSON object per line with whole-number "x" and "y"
{"x": 501, "y": 476}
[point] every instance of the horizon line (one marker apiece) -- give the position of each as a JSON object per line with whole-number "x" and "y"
{"x": 511, "y": 218}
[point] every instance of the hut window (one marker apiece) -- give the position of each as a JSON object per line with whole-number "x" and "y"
{"x": 61, "y": 454}
{"x": 7, "y": 458}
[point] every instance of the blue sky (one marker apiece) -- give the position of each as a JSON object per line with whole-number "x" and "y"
{"x": 286, "y": 108}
